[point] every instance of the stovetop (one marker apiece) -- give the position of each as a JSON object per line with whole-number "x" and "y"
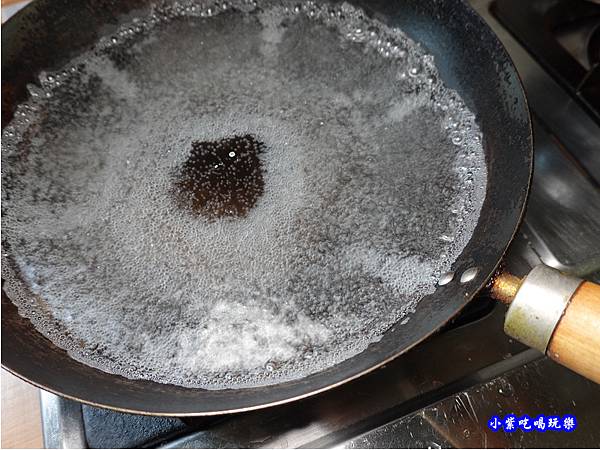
{"x": 442, "y": 393}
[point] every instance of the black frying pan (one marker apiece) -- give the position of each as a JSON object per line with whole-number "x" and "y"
{"x": 470, "y": 59}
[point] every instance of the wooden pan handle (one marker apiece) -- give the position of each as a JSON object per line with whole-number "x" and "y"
{"x": 575, "y": 342}
{"x": 556, "y": 314}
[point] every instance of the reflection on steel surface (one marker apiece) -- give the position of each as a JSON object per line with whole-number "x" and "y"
{"x": 538, "y": 306}
{"x": 62, "y": 422}
{"x": 540, "y": 387}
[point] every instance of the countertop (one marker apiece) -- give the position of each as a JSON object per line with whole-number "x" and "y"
{"x": 21, "y": 419}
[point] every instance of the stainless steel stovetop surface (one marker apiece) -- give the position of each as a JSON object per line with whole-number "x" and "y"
{"x": 442, "y": 393}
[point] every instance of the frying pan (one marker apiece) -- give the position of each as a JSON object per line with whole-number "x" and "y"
{"x": 470, "y": 59}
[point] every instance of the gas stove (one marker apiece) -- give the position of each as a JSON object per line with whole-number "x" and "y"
{"x": 442, "y": 393}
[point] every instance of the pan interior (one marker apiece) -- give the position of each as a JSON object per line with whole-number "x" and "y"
{"x": 236, "y": 196}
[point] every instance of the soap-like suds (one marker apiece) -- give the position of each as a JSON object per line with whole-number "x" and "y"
{"x": 374, "y": 176}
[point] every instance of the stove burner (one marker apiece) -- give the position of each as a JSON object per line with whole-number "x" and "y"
{"x": 563, "y": 36}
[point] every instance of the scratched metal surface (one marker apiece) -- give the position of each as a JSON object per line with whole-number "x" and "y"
{"x": 460, "y": 421}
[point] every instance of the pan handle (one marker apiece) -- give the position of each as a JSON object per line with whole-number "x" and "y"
{"x": 555, "y": 313}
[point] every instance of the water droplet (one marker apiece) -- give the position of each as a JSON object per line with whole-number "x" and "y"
{"x": 505, "y": 388}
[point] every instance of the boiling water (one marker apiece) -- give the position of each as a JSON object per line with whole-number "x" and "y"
{"x": 236, "y": 195}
